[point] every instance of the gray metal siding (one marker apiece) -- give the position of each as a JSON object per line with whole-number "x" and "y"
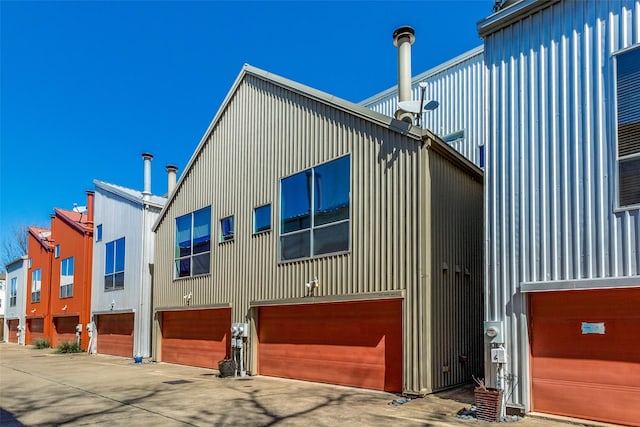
{"x": 122, "y": 218}
{"x": 551, "y": 165}
{"x": 265, "y": 133}
{"x": 459, "y": 88}
{"x": 19, "y": 270}
{"x": 457, "y": 274}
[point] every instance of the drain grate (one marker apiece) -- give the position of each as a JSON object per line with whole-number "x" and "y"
{"x": 174, "y": 382}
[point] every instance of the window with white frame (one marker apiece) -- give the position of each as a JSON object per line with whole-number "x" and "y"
{"x": 98, "y": 232}
{"x": 57, "y": 251}
{"x": 262, "y": 219}
{"x": 193, "y": 243}
{"x": 628, "y": 114}
{"x": 66, "y": 278}
{"x": 13, "y": 292}
{"x": 315, "y": 211}
{"x": 227, "y": 228}
{"x": 36, "y": 284}
{"x": 114, "y": 264}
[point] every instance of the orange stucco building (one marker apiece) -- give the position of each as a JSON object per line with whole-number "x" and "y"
{"x": 59, "y": 294}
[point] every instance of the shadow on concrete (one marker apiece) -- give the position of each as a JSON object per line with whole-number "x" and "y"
{"x": 8, "y": 420}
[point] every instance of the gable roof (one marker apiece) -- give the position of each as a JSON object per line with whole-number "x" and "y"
{"x": 75, "y": 219}
{"x": 418, "y": 134}
{"x": 42, "y": 235}
{"x": 129, "y": 194}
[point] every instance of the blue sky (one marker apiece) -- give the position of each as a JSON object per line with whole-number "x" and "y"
{"x": 86, "y": 87}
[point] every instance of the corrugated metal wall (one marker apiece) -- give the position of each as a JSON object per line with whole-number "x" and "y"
{"x": 458, "y": 86}
{"x": 457, "y": 274}
{"x": 266, "y": 133}
{"x": 551, "y": 173}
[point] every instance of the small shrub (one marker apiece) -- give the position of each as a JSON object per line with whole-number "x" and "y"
{"x": 42, "y": 343}
{"x": 68, "y": 347}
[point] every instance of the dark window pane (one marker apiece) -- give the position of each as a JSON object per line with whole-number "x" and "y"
{"x": 119, "y": 281}
{"x": 183, "y": 267}
{"x": 183, "y": 235}
{"x": 201, "y": 230}
{"x": 331, "y": 195}
{"x": 295, "y": 198}
{"x": 226, "y": 228}
{"x": 629, "y": 171}
{"x": 295, "y": 246}
{"x": 108, "y": 258}
{"x": 334, "y": 238}
{"x": 108, "y": 282}
{"x": 119, "y": 255}
{"x": 262, "y": 218}
{"x": 201, "y": 264}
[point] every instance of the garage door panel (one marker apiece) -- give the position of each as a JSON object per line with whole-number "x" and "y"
{"x": 65, "y": 329}
{"x": 115, "y": 334}
{"x": 13, "y": 330}
{"x": 36, "y": 330}
{"x": 196, "y": 337}
{"x": 582, "y": 374}
{"x": 355, "y": 343}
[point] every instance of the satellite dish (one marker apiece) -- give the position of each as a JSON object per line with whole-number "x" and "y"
{"x": 410, "y": 106}
{"x": 79, "y": 209}
{"x": 431, "y": 105}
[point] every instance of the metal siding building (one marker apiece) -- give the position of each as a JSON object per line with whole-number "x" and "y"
{"x": 124, "y": 213}
{"x": 402, "y": 177}
{"x": 552, "y": 219}
{"x": 458, "y": 85}
{"x": 14, "y": 316}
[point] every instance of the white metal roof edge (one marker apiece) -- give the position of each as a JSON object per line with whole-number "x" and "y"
{"x": 438, "y": 69}
{"x": 130, "y": 194}
{"x": 511, "y": 14}
{"x": 581, "y": 284}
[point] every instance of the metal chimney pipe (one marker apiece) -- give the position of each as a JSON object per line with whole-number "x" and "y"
{"x": 171, "y": 178}
{"x": 146, "y": 157}
{"x": 403, "y": 38}
{"x": 90, "y": 198}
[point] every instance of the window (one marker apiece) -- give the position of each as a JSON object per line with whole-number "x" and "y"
{"x": 57, "y": 251}
{"x": 261, "y": 219}
{"x": 481, "y": 156}
{"x": 29, "y": 262}
{"x": 314, "y": 211}
{"x": 66, "y": 278}
{"x": 99, "y": 233}
{"x": 13, "y": 292}
{"x": 114, "y": 265}
{"x": 36, "y": 283}
{"x": 628, "y": 93}
{"x": 193, "y": 243}
{"x": 226, "y": 229}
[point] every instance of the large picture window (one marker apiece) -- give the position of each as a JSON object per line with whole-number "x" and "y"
{"x": 628, "y": 96}
{"x": 193, "y": 243}
{"x": 66, "y": 278}
{"x": 36, "y": 284}
{"x": 13, "y": 292}
{"x": 114, "y": 265}
{"x": 315, "y": 211}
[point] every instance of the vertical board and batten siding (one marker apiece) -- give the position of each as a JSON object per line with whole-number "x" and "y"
{"x": 457, "y": 302}
{"x": 551, "y": 163}
{"x": 267, "y": 132}
{"x": 458, "y": 85}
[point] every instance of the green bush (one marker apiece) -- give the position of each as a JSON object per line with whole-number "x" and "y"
{"x": 42, "y": 343}
{"x": 68, "y": 347}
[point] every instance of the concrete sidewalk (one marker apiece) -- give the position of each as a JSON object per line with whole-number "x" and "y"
{"x": 39, "y": 387}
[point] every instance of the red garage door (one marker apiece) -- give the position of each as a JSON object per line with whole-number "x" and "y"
{"x": 196, "y": 337}
{"x": 585, "y": 354}
{"x": 36, "y": 329}
{"x": 13, "y": 330}
{"x": 351, "y": 343}
{"x": 115, "y": 334}
{"x": 65, "y": 329}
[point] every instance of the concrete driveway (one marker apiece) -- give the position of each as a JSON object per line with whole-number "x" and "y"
{"x": 39, "y": 387}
